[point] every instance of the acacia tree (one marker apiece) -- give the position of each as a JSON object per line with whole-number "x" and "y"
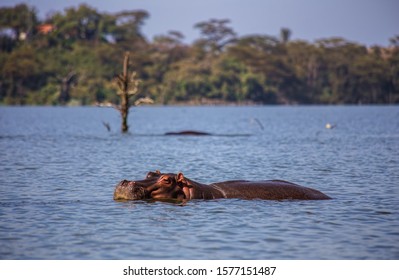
{"x": 215, "y": 35}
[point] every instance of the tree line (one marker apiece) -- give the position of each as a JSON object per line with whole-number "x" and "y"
{"x": 72, "y": 57}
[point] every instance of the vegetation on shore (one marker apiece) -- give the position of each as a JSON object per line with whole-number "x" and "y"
{"x": 72, "y": 57}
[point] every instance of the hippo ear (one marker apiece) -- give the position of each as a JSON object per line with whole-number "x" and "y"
{"x": 180, "y": 179}
{"x": 183, "y": 181}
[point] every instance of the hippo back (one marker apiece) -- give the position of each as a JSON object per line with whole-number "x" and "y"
{"x": 273, "y": 190}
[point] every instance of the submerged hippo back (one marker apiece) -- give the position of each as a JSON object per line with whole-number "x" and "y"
{"x": 273, "y": 190}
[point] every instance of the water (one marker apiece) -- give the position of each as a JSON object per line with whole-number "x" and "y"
{"x": 59, "y": 166}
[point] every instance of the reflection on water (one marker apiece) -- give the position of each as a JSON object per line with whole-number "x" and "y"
{"x": 58, "y": 168}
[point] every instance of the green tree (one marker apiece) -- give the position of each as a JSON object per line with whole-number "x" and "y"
{"x": 215, "y": 35}
{"x": 21, "y": 73}
{"x": 21, "y": 19}
{"x": 74, "y": 62}
{"x": 392, "y": 57}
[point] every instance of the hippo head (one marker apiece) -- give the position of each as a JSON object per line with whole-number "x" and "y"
{"x": 156, "y": 185}
{"x": 129, "y": 190}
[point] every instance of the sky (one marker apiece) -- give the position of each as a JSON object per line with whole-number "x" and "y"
{"x": 368, "y": 22}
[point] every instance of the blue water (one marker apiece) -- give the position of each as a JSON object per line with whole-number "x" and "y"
{"x": 59, "y": 166}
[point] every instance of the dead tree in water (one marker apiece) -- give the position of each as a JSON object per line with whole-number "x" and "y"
{"x": 128, "y": 86}
{"x": 66, "y": 83}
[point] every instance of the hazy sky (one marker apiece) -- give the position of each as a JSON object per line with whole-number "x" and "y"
{"x": 367, "y": 22}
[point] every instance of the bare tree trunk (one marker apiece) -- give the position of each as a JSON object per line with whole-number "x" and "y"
{"x": 125, "y": 95}
{"x": 66, "y": 83}
{"x": 124, "y": 113}
{"x": 128, "y": 86}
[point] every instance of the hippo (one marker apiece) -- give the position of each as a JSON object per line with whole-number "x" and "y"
{"x": 178, "y": 188}
{"x": 188, "y": 133}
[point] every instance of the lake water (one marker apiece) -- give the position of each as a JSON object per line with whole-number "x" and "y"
{"x": 59, "y": 167}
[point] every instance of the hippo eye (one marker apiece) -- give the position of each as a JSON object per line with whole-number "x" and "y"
{"x": 166, "y": 180}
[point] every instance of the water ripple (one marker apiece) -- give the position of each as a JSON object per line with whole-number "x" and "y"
{"x": 59, "y": 167}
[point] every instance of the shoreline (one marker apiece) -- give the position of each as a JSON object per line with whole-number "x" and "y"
{"x": 189, "y": 104}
